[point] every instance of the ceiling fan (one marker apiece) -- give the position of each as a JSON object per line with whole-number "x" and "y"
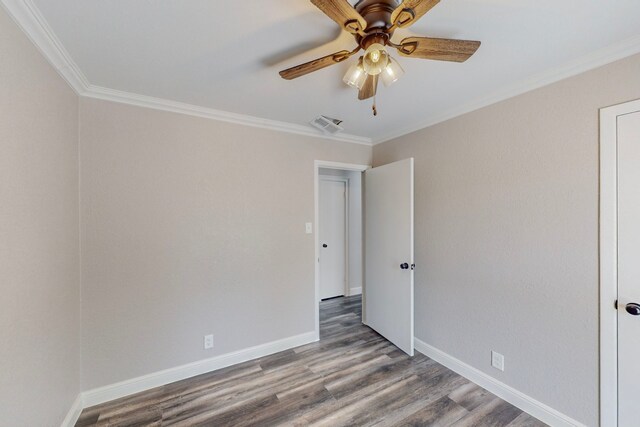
{"x": 372, "y": 23}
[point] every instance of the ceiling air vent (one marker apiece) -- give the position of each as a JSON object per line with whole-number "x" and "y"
{"x": 327, "y": 124}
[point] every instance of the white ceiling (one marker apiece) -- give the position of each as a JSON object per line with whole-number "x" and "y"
{"x": 226, "y": 54}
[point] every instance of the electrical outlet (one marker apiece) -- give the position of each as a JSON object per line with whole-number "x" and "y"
{"x": 208, "y": 342}
{"x": 308, "y": 228}
{"x": 497, "y": 360}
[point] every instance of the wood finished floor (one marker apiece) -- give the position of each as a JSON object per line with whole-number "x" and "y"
{"x": 351, "y": 377}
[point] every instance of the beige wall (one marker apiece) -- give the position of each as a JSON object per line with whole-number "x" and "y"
{"x": 507, "y": 235}
{"x": 192, "y": 226}
{"x": 39, "y": 252}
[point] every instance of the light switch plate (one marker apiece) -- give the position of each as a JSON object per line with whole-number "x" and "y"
{"x": 308, "y": 228}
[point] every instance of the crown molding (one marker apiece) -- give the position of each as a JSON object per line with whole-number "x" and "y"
{"x": 583, "y": 64}
{"x": 31, "y": 21}
{"x": 33, "y": 24}
{"x": 113, "y": 95}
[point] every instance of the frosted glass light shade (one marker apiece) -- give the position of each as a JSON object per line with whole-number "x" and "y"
{"x": 355, "y": 76}
{"x": 375, "y": 59}
{"x": 392, "y": 72}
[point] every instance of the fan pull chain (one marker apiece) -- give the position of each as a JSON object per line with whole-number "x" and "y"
{"x": 373, "y": 107}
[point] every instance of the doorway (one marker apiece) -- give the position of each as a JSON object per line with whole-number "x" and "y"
{"x": 339, "y": 226}
{"x": 619, "y": 269}
{"x": 384, "y": 261}
{"x": 334, "y": 229}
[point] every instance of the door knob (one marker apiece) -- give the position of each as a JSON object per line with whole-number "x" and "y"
{"x": 404, "y": 266}
{"x": 633, "y": 309}
{"x": 324, "y": 245}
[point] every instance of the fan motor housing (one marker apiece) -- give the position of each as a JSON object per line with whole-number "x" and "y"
{"x": 380, "y": 38}
{"x": 377, "y": 13}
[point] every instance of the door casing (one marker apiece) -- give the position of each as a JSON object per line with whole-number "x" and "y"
{"x": 609, "y": 259}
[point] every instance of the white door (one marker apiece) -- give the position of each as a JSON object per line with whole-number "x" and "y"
{"x": 332, "y": 232}
{"x": 389, "y": 252}
{"x": 629, "y": 270}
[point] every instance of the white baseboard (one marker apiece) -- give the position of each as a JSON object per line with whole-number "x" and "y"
{"x": 135, "y": 385}
{"x": 355, "y": 291}
{"x": 156, "y": 379}
{"x": 74, "y": 413}
{"x": 531, "y": 406}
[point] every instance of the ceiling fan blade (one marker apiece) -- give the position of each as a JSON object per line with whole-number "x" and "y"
{"x": 369, "y": 88}
{"x": 410, "y": 11}
{"x": 438, "y": 49}
{"x": 315, "y": 65}
{"x": 343, "y": 13}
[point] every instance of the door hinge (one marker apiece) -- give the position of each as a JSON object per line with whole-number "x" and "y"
{"x": 615, "y": 304}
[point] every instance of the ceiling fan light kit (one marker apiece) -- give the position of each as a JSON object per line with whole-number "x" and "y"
{"x": 375, "y": 59}
{"x": 356, "y": 75}
{"x": 392, "y": 72}
{"x": 372, "y": 23}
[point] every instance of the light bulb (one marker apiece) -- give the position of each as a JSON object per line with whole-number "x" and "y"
{"x": 375, "y": 59}
{"x": 392, "y": 72}
{"x": 355, "y": 76}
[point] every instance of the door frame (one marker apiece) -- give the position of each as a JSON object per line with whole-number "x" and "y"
{"x": 317, "y": 165}
{"x": 345, "y": 181}
{"x": 609, "y": 259}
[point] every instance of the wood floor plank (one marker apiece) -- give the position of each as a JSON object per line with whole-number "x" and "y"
{"x": 366, "y": 407}
{"x": 441, "y": 413}
{"x": 151, "y": 416}
{"x": 470, "y": 396}
{"x": 290, "y": 408}
{"x": 495, "y": 413}
{"x": 430, "y": 390}
{"x": 359, "y": 380}
{"x": 343, "y": 374}
{"x": 88, "y": 418}
{"x": 277, "y": 360}
{"x": 213, "y": 402}
{"x": 221, "y": 416}
{"x": 351, "y": 377}
{"x": 526, "y": 420}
